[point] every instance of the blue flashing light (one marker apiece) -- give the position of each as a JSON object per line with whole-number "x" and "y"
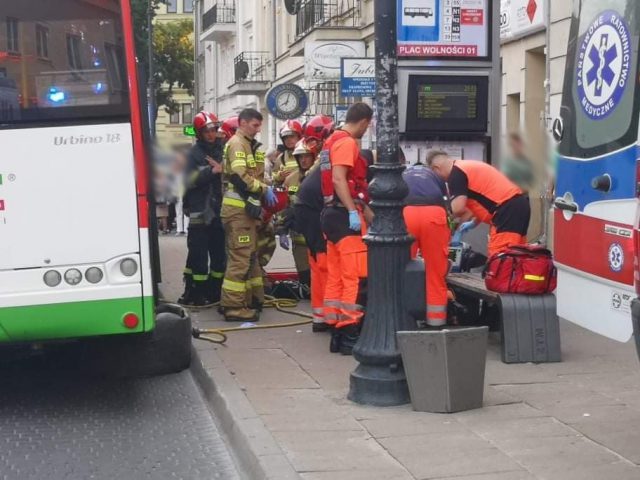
{"x": 56, "y": 96}
{"x": 98, "y": 87}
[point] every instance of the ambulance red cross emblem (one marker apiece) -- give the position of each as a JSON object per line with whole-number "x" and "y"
{"x": 532, "y": 7}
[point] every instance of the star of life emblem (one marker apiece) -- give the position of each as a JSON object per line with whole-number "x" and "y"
{"x": 616, "y": 257}
{"x": 603, "y": 65}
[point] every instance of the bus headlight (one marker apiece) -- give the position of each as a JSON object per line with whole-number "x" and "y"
{"x": 52, "y": 278}
{"x": 94, "y": 275}
{"x": 73, "y": 276}
{"x": 128, "y": 267}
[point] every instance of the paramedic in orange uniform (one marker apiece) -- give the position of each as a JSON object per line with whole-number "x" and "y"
{"x": 344, "y": 188}
{"x": 478, "y": 190}
{"x": 426, "y": 219}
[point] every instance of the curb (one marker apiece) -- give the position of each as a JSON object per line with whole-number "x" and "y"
{"x": 258, "y": 454}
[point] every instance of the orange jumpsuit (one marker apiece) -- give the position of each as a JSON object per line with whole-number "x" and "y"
{"x": 426, "y": 219}
{"x": 346, "y": 251}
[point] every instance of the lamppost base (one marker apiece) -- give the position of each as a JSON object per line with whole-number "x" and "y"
{"x": 379, "y": 386}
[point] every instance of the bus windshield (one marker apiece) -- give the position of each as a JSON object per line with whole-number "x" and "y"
{"x": 600, "y": 82}
{"x": 61, "y": 61}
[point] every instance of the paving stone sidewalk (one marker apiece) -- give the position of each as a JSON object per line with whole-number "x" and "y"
{"x": 579, "y": 419}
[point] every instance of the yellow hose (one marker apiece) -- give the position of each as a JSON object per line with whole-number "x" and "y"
{"x": 219, "y": 335}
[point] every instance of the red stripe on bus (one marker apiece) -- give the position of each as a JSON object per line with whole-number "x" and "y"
{"x": 143, "y": 211}
{"x": 140, "y": 154}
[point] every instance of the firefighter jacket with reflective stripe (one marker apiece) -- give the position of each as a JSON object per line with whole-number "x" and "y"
{"x": 243, "y": 169}
{"x": 287, "y": 164}
{"x": 203, "y": 188}
{"x": 356, "y": 178}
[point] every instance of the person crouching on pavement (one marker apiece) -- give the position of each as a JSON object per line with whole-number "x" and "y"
{"x": 481, "y": 193}
{"x": 425, "y": 215}
{"x": 344, "y": 188}
{"x": 202, "y": 199}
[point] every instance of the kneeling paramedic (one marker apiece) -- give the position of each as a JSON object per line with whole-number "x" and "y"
{"x": 481, "y": 192}
{"x": 242, "y": 216}
{"x": 344, "y": 188}
{"x": 426, "y": 217}
{"x": 202, "y": 198}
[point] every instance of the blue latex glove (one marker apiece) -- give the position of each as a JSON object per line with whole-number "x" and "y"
{"x": 270, "y": 197}
{"x": 467, "y": 226}
{"x": 284, "y": 242}
{"x": 354, "y": 221}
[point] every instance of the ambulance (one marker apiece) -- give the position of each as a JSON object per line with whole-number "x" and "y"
{"x": 596, "y": 205}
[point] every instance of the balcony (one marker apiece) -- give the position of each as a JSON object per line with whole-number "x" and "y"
{"x": 251, "y": 74}
{"x": 219, "y": 22}
{"x": 326, "y": 20}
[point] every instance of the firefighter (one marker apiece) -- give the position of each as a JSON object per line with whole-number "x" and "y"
{"x": 344, "y": 188}
{"x": 202, "y": 200}
{"x": 481, "y": 192}
{"x": 228, "y": 128}
{"x": 306, "y": 217}
{"x": 426, "y": 217}
{"x": 242, "y": 289}
{"x": 290, "y": 134}
{"x": 304, "y": 159}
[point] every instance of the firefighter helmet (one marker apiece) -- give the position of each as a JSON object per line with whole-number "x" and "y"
{"x": 291, "y": 127}
{"x": 318, "y": 128}
{"x": 204, "y": 120}
{"x": 302, "y": 149}
{"x": 230, "y": 126}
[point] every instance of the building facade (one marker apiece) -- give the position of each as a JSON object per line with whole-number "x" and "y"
{"x": 245, "y": 47}
{"x": 533, "y": 62}
{"x": 169, "y": 127}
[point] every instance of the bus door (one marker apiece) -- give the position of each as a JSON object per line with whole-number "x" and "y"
{"x": 596, "y": 206}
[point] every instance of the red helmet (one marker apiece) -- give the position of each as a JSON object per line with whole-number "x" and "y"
{"x": 291, "y": 127}
{"x": 319, "y": 128}
{"x": 230, "y": 126}
{"x": 205, "y": 119}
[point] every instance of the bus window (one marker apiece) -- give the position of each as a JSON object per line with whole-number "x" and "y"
{"x": 61, "y": 61}
{"x": 601, "y": 75}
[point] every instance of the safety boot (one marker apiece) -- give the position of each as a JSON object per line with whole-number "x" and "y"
{"x": 185, "y": 298}
{"x": 214, "y": 290}
{"x": 334, "y": 343}
{"x": 349, "y": 336}
{"x": 317, "y": 327}
{"x": 240, "y": 315}
{"x": 198, "y": 298}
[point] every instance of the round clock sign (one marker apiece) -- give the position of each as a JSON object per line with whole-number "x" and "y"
{"x": 287, "y": 101}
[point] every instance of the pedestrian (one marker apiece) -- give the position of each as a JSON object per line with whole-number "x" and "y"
{"x": 344, "y": 188}
{"x": 242, "y": 216}
{"x": 179, "y": 166}
{"x": 425, "y": 215}
{"x": 202, "y": 202}
{"x": 481, "y": 193}
{"x": 517, "y": 166}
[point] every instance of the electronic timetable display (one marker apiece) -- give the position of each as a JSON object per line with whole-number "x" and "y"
{"x": 447, "y": 104}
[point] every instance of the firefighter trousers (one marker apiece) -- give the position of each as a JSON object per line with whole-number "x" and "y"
{"x": 301, "y": 257}
{"x": 429, "y": 226}
{"x": 243, "y": 284}
{"x": 318, "y": 264}
{"x": 205, "y": 252}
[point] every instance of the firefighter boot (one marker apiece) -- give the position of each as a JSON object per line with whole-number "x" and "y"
{"x": 199, "y": 297}
{"x": 240, "y": 315}
{"x": 185, "y": 299}
{"x": 214, "y": 289}
{"x": 348, "y": 338}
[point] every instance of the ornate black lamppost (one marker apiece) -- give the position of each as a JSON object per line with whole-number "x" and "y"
{"x": 380, "y": 379}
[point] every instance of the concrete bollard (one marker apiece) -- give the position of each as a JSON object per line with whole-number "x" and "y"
{"x": 445, "y": 369}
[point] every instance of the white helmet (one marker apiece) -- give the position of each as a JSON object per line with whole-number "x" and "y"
{"x": 301, "y": 148}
